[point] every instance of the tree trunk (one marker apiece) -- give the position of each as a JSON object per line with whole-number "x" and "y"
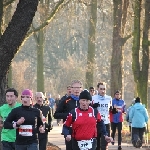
{"x": 120, "y": 17}
{"x": 116, "y": 60}
{"x": 13, "y": 37}
{"x": 91, "y": 45}
{"x": 1, "y": 16}
{"x": 40, "y": 68}
{"x": 142, "y": 79}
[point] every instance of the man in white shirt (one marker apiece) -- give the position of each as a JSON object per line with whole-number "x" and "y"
{"x": 103, "y": 103}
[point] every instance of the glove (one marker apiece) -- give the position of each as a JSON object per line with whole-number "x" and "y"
{"x": 48, "y": 127}
{"x": 114, "y": 111}
{"x": 95, "y": 105}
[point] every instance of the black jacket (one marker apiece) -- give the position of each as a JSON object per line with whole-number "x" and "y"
{"x": 32, "y": 117}
{"x": 64, "y": 107}
{"x": 46, "y": 111}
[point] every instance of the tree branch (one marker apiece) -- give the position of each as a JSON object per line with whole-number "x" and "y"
{"x": 85, "y": 3}
{"x": 34, "y": 34}
{"x": 8, "y": 3}
{"x": 48, "y": 20}
{"x": 125, "y": 39}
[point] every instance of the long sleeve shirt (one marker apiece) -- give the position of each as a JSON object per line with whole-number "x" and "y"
{"x": 84, "y": 124}
{"x": 26, "y": 133}
{"x": 120, "y": 106}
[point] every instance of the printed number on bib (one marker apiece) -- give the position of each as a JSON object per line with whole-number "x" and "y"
{"x": 25, "y": 130}
{"x": 85, "y": 144}
{"x": 103, "y": 117}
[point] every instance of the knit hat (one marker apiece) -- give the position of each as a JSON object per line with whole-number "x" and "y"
{"x": 85, "y": 95}
{"x": 137, "y": 100}
{"x": 117, "y": 92}
{"x": 27, "y": 92}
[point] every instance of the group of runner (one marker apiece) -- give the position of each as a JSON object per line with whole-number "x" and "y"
{"x": 87, "y": 119}
{"x": 25, "y": 126}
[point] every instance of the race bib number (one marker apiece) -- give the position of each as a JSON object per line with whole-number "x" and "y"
{"x": 103, "y": 117}
{"x": 85, "y": 144}
{"x": 25, "y": 130}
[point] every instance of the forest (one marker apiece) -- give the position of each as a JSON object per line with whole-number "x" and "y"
{"x": 44, "y": 44}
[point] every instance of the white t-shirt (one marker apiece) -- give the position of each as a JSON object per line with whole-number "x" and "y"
{"x": 105, "y": 103}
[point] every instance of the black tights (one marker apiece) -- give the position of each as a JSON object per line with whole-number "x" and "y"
{"x": 115, "y": 126}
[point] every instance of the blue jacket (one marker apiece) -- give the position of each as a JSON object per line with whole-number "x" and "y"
{"x": 138, "y": 115}
{"x": 118, "y": 117}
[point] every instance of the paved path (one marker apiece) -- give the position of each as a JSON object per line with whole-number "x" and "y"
{"x": 56, "y": 138}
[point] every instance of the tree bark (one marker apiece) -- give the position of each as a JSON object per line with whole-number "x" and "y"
{"x": 40, "y": 63}
{"x": 141, "y": 73}
{"x": 1, "y": 16}
{"x": 120, "y": 16}
{"x": 91, "y": 45}
{"x": 13, "y": 37}
{"x": 116, "y": 61}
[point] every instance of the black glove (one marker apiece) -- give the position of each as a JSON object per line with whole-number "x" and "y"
{"x": 48, "y": 127}
{"x": 114, "y": 110}
{"x": 95, "y": 105}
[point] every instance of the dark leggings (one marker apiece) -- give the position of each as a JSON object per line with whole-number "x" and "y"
{"x": 101, "y": 142}
{"x": 139, "y": 132}
{"x": 115, "y": 126}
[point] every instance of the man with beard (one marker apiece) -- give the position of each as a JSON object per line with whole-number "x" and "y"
{"x": 46, "y": 118}
{"x": 8, "y": 136}
{"x": 66, "y": 105}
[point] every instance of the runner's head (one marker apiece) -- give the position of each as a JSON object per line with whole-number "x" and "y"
{"x": 69, "y": 90}
{"x": 26, "y": 97}
{"x": 92, "y": 91}
{"x": 101, "y": 87}
{"x": 76, "y": 87}
{"x": 11, "y": 96}
{"x": 117, "y": 94}
{"x": 39, "y": 97}
{"x": 84, "y": 99}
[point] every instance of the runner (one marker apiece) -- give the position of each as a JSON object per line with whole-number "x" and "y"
{"x": 138, "y": 116}
{"x": 102, "y": 102}
{"x": 66, "y": 105}
{"x": 27, "y": 121}
{"x": 8, "y": 136}
{"x": 84, "y": 120}
{"x": 92, "y": 91}
{"x": 46, "y": 118}
{"x": 117, "y": 116}
{"x": 68, "y": 93}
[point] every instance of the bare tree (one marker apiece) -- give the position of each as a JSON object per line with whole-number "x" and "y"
{"x": 140, "y": 67}
{"x": 120, "y": 14}
{"x": 13, "y": 37}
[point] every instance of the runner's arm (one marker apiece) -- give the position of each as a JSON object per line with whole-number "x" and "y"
{"x": 8, "y": 123}
{"x": 49, "y": 120}
{"x": 59, "y": 113}
{"x": 67, "y": 125}
{"x": 1, "y": 122}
